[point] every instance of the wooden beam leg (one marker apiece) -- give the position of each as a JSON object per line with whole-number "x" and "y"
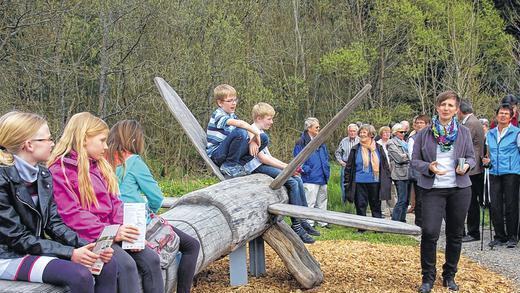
{"x": 257, "y": 257}
{"x": 297, "y": 259}
{"x": 238, "y": 266}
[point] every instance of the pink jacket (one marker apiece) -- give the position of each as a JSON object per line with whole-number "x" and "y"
{"x": 88, "y": 223}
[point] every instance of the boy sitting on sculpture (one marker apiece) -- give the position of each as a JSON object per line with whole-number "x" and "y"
{"x": 231, "y": 142}
{"x": 265, "y": 163}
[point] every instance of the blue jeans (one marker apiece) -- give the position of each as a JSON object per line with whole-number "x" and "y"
{"x": 294, "y": 184}
{"x": 401, "y": 207}
{"x": 235, "y": 148}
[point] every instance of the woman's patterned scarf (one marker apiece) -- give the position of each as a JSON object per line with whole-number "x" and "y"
{"x": 445, "y": 135}
{"x": 369, "y": 156}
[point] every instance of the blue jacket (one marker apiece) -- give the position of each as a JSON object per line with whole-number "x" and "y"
{"x": 316, "y": 169}
{"x": 136, "y": 184}
{"x": 505, "y": 156}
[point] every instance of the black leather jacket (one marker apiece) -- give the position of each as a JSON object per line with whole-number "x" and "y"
{"x": 25, "y": 229}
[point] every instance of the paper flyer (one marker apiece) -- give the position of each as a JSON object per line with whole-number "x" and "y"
{"x": 105, "y": 240}
{"x": 135, "y": 214}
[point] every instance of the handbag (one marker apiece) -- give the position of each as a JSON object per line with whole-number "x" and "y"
{"x": 162, "y": 239}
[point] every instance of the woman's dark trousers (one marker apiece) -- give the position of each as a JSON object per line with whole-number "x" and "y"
{"x": 504, "y": 203}
{"x": 473, "y": 218}
{"x": 451, "y": 204}
{"x": 368, "y": 194}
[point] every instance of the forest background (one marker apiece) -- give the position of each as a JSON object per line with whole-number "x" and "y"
{"x": 304, "y": 57}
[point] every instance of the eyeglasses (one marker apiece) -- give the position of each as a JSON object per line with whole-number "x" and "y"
{"x": 231, "y": 101}
{"x": 50, "y": 139}
{"x": 401, "y": 131}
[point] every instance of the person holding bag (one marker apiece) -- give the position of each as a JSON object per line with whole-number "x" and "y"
{"x": 136, "y": 183}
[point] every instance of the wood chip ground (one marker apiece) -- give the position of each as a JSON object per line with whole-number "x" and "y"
{"x": 353, "y": 266}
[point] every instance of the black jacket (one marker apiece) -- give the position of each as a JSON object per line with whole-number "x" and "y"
{"x": 25, "y": 229}
{"x": 385, "y": 180}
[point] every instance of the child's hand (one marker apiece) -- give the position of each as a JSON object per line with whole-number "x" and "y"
{"x": 127, "y": 233}
{"x": 106, "y": 255}
{"x": 253, "y": 148}
{"x": 84, "y": 255}
{"x": 298, "y": 171}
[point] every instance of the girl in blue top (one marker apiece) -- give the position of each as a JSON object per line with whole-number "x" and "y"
{"x": 136, "y": 184}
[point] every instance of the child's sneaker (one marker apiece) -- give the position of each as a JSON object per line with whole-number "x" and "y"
{"x": 232, "y": 170}
{"x": 309, "y": 229}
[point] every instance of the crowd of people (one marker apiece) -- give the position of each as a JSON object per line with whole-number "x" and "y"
{"x": 440, "y": 170}
{"x": 55, "y": 200}
{"x": 437, "y": 170}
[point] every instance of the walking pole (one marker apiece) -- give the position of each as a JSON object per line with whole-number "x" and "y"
{"x": 487, "y": 202}
{"x": 484, "y": 203}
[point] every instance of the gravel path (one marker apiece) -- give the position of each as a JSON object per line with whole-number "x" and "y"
{"x": 503, "y": 260}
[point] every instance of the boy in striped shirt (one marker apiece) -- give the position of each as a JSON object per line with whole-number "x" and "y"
{"x": 231, "y": 142}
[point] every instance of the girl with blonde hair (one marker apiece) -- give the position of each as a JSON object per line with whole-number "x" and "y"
{"x": 86, "y": 193}
{"x": 136, "y": 182}
{"x": 35, "y": 245}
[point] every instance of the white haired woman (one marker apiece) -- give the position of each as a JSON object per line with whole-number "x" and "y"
{"x": 316, "y": 170}
{"x": 399, "y": 165}
{"x": 367, "y": 175}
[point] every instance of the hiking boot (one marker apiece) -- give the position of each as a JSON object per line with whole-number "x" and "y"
{"x": 496, "y": 242}
{"x": 425, "y": 287}
{"x": 450, "y": 284}
{"x": 297, "y": 227}
{"x": 469, "y": 238}
{"x": 511, "y": 244}
{"x": 232, "y": 170}
{"x": 309, "y": 229}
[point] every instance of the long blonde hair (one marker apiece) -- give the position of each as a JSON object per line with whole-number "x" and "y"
{"x": 80, "y": 127}
{"x": 15, "y": 129}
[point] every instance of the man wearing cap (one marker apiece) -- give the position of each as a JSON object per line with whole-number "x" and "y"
{"x": 476, "y": 175}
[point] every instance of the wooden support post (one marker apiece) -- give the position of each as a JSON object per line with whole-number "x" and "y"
{"x": 257, "y": 257}
{"x": 297, "y": 259}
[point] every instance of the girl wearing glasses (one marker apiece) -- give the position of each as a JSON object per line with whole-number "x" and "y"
{"x": 35, "y": 245}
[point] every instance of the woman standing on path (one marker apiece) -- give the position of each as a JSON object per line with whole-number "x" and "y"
{"x": 367, "y": 175}
{"x": 443, "y": 155}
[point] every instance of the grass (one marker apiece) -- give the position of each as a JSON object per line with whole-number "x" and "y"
{"x": 185, "y": 184}
{"x": 180, "y": 186}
